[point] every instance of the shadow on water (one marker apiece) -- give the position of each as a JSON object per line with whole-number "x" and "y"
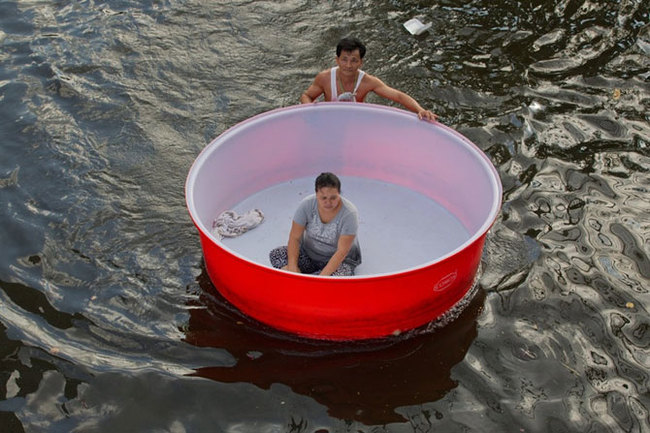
{"x": 362, "y": 381}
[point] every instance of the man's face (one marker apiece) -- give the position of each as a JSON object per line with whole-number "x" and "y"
{"x": 349, "y": 62}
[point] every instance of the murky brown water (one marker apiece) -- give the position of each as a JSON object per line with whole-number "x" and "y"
{"x": 109, "y": 322}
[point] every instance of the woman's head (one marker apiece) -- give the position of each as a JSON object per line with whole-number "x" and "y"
{"x": 327, "y": 179}
{"x": 328, "y": 189}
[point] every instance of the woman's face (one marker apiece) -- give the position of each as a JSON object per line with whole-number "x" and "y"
{"x": 328, "y": 198}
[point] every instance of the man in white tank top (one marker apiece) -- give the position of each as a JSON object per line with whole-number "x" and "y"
{"x": 347, "y": 82}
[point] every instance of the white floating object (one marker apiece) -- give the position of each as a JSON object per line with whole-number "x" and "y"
{"x": 415, "y": 26}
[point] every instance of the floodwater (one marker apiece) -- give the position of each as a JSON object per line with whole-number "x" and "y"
{"x": 108, "y": 322}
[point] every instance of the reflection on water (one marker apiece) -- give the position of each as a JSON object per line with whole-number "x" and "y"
{"x": 363, "y": 381}
{"x": 108, "y": 323}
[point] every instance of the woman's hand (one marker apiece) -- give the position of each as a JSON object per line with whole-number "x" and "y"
{"x": 290, "y": 268}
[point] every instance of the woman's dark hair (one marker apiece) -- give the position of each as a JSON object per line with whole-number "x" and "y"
{"x": 350, "y": 44}
{"x": 328, "y": 179}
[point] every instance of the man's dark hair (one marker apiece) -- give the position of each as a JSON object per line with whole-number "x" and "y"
{"x": 328, "y": 179}
{"x": 350, "y": 44}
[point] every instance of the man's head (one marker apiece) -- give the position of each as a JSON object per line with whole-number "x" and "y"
{"x": 350, "y": 44}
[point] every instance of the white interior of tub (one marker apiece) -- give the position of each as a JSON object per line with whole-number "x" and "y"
{"x": 422, "y": 190}
{"x": 398, "y": 228}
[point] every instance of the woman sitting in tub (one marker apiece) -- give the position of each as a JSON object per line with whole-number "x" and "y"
{"x": 323, "y": 237}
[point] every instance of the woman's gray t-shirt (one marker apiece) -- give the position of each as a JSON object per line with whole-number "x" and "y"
{"x": 320, "y": 240}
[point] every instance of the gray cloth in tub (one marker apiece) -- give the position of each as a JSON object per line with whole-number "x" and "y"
{"x": 230, "y": 224}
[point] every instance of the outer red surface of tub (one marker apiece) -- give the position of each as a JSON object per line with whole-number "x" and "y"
{"x": 349, "y": 139}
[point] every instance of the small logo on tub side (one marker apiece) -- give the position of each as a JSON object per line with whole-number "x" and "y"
{"x": 445, "y": 282}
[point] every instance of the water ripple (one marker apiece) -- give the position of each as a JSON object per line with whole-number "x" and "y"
{"x": 108, "y": 321}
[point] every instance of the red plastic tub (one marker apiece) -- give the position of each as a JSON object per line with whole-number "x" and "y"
{"x": 405, "y": 174}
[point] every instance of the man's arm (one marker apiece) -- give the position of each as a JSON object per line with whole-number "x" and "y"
{"x": 314, "y": 91}
{"x": 402, "y": 98}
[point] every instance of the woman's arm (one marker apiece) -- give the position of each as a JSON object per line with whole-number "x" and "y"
{"x": 342, "y": 248}
{"x": 293, "y": 247}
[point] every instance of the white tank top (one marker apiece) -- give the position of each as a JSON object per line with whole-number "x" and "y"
{"x": 347, "y": 96}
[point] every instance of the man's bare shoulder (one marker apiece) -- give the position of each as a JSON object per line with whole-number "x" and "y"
{"x": 322, "y": 77}
{"x": 371, "y": 81}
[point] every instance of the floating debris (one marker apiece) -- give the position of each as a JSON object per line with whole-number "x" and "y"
{"x": 253, "y": 354}
{"x": 416, "y": 27}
